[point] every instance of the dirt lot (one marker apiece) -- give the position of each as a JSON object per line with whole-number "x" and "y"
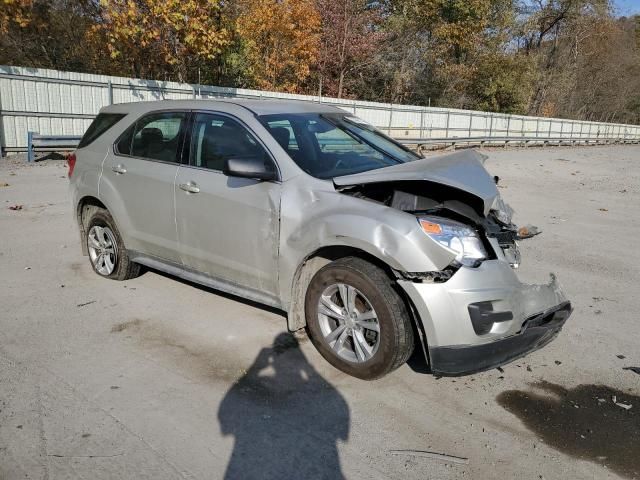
{"x": 156, "y": 378}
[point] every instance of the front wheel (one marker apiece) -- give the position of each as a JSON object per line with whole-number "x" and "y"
{"x": 356, "y": 319}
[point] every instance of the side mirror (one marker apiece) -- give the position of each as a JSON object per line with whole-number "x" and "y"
{"x": 251, "y": 167}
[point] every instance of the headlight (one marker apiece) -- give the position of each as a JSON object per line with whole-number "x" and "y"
{"x": 458, "y": 237}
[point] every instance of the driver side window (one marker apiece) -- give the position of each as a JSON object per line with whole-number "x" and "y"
{"x": 216, "y": 138}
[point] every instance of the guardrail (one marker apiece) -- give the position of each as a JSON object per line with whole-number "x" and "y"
{"x": 49, "y": 143}
{"x": 420, "y": 143}
{"x": 58, "y": 143}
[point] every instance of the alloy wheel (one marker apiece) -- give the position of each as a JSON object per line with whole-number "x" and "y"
{"x": 349, "y": 323}
{"x": 102, "y": 249}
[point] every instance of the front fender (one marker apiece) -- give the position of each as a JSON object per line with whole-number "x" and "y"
{"x": 315, "y": 218}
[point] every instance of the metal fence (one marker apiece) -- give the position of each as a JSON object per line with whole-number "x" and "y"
{"x": 52, "y": 102}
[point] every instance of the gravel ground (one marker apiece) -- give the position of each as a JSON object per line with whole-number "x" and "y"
{"x": 157, "y": 378}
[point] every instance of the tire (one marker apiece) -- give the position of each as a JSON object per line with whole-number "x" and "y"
{"x": 100, "y": 225}
{"x": 375, "y": 301}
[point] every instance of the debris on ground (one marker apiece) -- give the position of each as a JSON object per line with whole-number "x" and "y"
{"x": 86, "y": 303}
{"x": 528, "y": 231}
{"x": 500, "y": 369}
{"x": 558, "y": 362}
{"x": 4, "y": 184}
{"x": 433, "y": 455}
{"x": 621, "y": 357}
{"x": 15, "y": 207}
{"x": 626, "y": 406}
{"x": 27, "y": 268}
{"x": 603, "y": 209}
{"x": 633, "y": 369}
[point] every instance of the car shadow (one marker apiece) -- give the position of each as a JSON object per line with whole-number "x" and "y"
{"x": 584, "y": 422}
{"x": 286, "y": 419}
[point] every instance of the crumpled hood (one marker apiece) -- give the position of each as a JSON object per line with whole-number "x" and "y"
{"x": 463, "y": 170}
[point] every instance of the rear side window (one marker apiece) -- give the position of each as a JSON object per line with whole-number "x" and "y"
{"x": 102, "y": 123}
{"x": 156, "y": 137}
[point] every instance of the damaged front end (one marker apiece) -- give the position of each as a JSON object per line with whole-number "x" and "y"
{"x": 475, "y": 313}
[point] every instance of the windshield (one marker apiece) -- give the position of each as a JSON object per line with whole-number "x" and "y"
{"x": 332, "y": 145}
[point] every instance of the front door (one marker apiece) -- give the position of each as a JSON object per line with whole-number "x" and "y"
{"x": 228, "y": 227}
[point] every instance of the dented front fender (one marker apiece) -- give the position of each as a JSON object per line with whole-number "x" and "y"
{"x": 319, "y": 217}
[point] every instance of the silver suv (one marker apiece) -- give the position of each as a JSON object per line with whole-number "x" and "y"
{"x": 307, "y": 208}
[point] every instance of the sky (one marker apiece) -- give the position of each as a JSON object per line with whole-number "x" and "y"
{"x": 627, "y": 7}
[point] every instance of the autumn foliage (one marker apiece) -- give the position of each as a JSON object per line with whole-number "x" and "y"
{"x": 280, "y": 40}
{"x": 573, "y": 58}
{"x": 146, "y": 35}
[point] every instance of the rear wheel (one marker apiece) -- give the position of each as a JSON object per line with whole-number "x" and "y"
{"x": 356, "y": 319}
{"x": 107, "y": 252}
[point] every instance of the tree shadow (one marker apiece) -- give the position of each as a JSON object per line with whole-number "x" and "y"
{"x": 582, "y": 422}
{"x": 285, "y": 417}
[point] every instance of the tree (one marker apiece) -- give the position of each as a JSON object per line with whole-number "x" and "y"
{"x": 350, "y": 37}
{"x": 553, "y": 32}
{"x": 45, "y": 33}
{"x": 14, "y": 12}
{"x": 151, "y": 37}
{"x": 280, "y": 40}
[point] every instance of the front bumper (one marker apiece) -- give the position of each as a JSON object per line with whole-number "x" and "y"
{"x": 463, "y": 360}
{"x": 485, "y": 317}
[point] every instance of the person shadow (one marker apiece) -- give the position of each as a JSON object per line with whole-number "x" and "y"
{"x": 285, "y": 417}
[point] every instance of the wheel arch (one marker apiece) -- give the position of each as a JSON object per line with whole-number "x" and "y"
{"x": 313, "y": 262}
{"x": 82, "y": 211}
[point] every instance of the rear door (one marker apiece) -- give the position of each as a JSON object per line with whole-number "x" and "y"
{"x": 228, "y": 227}
{"x": 138, "y": 183}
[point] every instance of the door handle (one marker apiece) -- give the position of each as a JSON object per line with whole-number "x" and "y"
{"x": 189, "y": 187}
{"x": 119, "y": 169}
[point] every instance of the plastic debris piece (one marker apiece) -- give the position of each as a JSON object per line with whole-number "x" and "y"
{"x": 528, "y": 231}
{"x": 86, "y": 303}
{"x": 15, "y": 207}
{"x": 436, "y": 456}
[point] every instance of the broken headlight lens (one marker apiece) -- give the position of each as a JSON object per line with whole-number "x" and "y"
{"x": 463, "y": 240}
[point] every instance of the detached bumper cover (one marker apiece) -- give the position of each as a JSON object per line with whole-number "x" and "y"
{"x": 537, "y": 331}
